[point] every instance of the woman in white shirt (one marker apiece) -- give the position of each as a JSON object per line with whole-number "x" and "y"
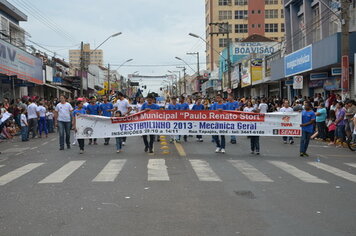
{"x": 249, "y": 107}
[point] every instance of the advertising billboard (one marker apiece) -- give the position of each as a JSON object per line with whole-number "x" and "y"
{"x": 299, "y": 61}
{"x": 15, "y": 61}
{"x": 245, "y": 74}
{"x": 256, "y": 70}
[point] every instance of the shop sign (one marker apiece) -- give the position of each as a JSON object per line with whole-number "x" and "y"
{"x": 57, "y": 80}
{"x": 316, "y": 83}
{"x": 235, "y": 77}
{"x": 319, "y": 76}
{"x": 256, "y": 70}
{"x": 345, "y": 75}
{"x": 332, "y": 84}
{"x": 298, "y": 62}
{"x": 298, "y": 82}
{"x": 264, "y": 48}
{"x": 245, "y": 74}
{"x": 289, "y": 82}
{"x": 15, "y": 61}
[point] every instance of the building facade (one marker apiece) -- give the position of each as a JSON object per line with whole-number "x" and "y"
{"x": 90, "y": 57}
{"x": 245, "y": 18}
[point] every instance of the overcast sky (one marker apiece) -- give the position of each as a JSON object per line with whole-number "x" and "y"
{"x": 153, "y": 31}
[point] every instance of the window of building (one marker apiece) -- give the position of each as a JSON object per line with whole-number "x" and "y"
{"x": 241, "y": 28}
{"x": 224, "y": 2}
{"x": 240, "y": 2}
{"x": 271, "y": 2}
{"x": 282, "y": 27}
{"x": 282, "y": 13}
{"x": 241, "y": 15}
{"x": 253, "y": 11}
{"x": 253, "y": 25}
{"x": 316, "y": 23}
{"x": 225, "y": 15}
{"x": 271, "y": 14}
{"x": 239, "y": 39}
{"x": 259, "y": 12}
{"x": 259, "y": 26}
{"x": 271, "y": 28}
{"x": 223, "y": 42}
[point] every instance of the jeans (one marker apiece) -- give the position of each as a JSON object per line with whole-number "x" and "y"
{"x": 321, "y": 129}
{"x": 255, "y": 143}
{"x": 304, "y": 141}
{"x": 217, "y": 141}
{"x": 42, "y": 125}
{"x": 145, "y": 141}
{"x": 233, "y": 138}
{"x": 64, "y": 127}
{"x": 81, "y": 144}
{"x": 286, "y": 138}
{"x": 118, "y": 143}
{"x": 106, "y": 140}
{"x": 32, "y": 126}
{"x": 50, "y": 125}
{"x": 24, "y": 133}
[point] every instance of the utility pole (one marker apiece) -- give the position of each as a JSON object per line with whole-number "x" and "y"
{"x": 81, "y": 69}
{"x": 224, "y": 29}
{"x": 198, "y": 66}
{"x": 184, "y": 75}
{"x": 109, "y": 78}
{"x": 345, "y": 40}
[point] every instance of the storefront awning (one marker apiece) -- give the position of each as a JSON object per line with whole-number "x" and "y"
{"x": 51, "y": 86}
{"x": 64, "y": 89}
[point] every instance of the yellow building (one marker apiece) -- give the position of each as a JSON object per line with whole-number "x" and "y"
{"x": 89, "y": 57}
{"x": 245, "y": 18}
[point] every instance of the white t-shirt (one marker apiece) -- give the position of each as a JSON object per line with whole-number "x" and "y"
{"x": 122, "y": 105}
{"x": 32, "y": 111}
{"x": 49, "y": 115}
{"x": 139, "y": 105}
{"x": 64, "y": 111}
{"x": 23, "y": 120}
{"x": 249, "y": 109}
{"x": 283, "y": 109}
{"x": 42, "y": 111}
{"x": 263, "y": 107}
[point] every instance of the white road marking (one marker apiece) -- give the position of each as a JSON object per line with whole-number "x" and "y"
{"x": 302, "y": 175}
{"x": 204, "y": 171}
{"x": 1, "y": 166}
{"x": 34, "y": 148}
{"x": 335, "y": 171}
{"x": 18, "y": 154}
{"x": 45, "y": 143}
{"x": 61, "y": 174}
{"x": 157, "y": 170}
{"x": 351, "y": 164}
{"x": 53, "y": 139}
{"x": 18, "y": 173}
{"x": 250, "y": 172}
{"x": 110, "y": 171}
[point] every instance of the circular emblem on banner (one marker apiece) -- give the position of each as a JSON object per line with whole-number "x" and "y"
{"x": 229, "y": 90}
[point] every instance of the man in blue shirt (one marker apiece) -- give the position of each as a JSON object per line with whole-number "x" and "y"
{"x": 308, "y": 119}
{"x": 174, "y": 106}
{"x": 198, "y": 107}
{"x": 93, "y": 109}
{"x": 321, "y": 121}
{"x": 79, "y": 110}
{"x": 220, "y": 106}
{"x": 232, "y": 105}
{"x": 183, "y": 106}
{"x": 149, "y": 105}
{"x": 106, "y": 108}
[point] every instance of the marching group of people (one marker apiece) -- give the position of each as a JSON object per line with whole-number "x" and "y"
{"x": 328, "y": 119}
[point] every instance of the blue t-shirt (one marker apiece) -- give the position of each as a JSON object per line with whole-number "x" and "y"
{"x": 152, "y": 106}
{"x": 93, "y": 109}
{"x": 104, "y": 107}
{"x": 199, "y": 107}
{"x": 322, "y": 116}
{"x": 183, "y": 106}
{"x": 217, "y": 106}
{"x": 306, "y": 117}
{"x": 173, "y": 107}
{"x": 232, "y": 106}
{"x": 81, "y": 111}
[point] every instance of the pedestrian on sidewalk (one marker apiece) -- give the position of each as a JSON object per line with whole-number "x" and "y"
{"x": 321, "y": 115}
{"x": 149, "y": 105}
{"x": 308, "y": 119}
{"x": 24, "y": 126}
{"x": 219, "y": 105}
{"x": 63, "y": 121}
{"x": 340, "y": 123}
{"x": 93, "y": 109}
{"x": 42, "y": 125}
{"x": 118, "y": 139}
{"x": 79, "y": 110}
{"x": 32, "y": 116}
{"x": 287, "y": 109}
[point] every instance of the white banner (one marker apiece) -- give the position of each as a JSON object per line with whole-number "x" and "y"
{"x": 162, "y": 122}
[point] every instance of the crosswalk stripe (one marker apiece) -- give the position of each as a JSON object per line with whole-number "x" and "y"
{"x": 7, "y": 178}
{"x": 1, "y": 166}
{"x": 204, "y": 171}
{"x": 351, "y": 164}
{"x": 110, "y": 171}
{"x": 250, "y": 172}
{"x": 157, "y": 170}
{"x": 335, "y": 171}
{"x": 302, "y": 175}
{"x": 62, "y": 173}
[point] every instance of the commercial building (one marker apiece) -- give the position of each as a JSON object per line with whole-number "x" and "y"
{"x": 244, "y": 18}
{"x": 90, "y": 57}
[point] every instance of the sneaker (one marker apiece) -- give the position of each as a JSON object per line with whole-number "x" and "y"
{"x": 61, "y": 148}
{"x": 177, "y": 141}
{"x": 217, "y": 150}
{"x": 151, "y": 151}
{"x": 118, "y": 151}
{"x": 198, "y": 139}
{"x": 222, "y": 151}
{"x": 106, "y": 143}
{"x": 95, "y": 143}
{"x": 285, "y": 142}
{"x": 68, "y": 146}
{"x": 233, "y": 141}
{"x": 305, "y": 154}
{"x": 257, "y": 153}
{"x": 302, "y": 154}
{"x": 201, "y": 140}
{"x": 81, "y": 151}
{"x": 291, "y": 142}
{"x": 171, "y": 140}
{"x": 252, "y": 152}
{"x": 123, "y": 143}
{"x": 146, "y": 149}
{"x": 90, "y": 143}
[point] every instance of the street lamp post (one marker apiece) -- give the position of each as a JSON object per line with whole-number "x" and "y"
{"x": 176, "y": 80}
{"x": 184, "y": 75}
{"x": 198, "y": 66}
{"x": 82, "y": 55}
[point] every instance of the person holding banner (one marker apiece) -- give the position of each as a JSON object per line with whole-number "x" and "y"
{"x": 93, "y": 109}
{"x": 149, "y": 105}
{"x": 287, "y": 109}
{"x": 123, "y": 105}
{"x": 232, "y": 105}
{"x": 185, "y": 107}
{"x": 219, "y": 105}
{"x": 174, "y": 106}
{"x": 79, "y": 110}
{"x": 198, "y": 107}
{"x": 308, "y": 119}
{"x": 106, "y": 108}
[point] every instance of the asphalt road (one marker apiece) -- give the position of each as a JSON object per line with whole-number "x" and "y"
{"x": 190, "y": 191}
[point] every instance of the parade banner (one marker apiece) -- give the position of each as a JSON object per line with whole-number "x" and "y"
{"x": 163, "y": 122}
